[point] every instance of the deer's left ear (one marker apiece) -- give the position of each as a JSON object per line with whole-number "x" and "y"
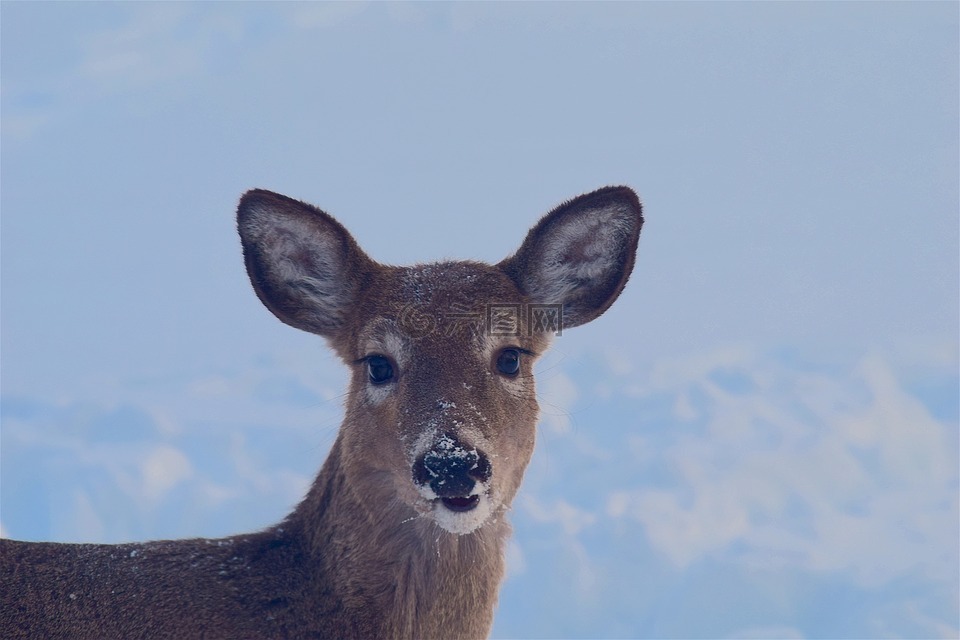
{"x": 580, "y": 255}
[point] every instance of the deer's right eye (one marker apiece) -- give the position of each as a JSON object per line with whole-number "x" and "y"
{"x": 379, "y": 369}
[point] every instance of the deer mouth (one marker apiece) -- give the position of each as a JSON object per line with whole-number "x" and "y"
{"x": 461, "y": 515}
{"x": 461, "y": 504}
{"x": 458, "y": 514}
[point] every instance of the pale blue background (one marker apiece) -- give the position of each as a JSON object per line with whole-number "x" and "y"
{"x": 759, "y": 439}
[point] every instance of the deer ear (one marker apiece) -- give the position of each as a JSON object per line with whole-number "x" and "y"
{"x": 580, "y": 254}
{"x": 304, "y": 266}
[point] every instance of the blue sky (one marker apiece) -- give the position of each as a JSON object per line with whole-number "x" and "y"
{"x": 759, "y": 439}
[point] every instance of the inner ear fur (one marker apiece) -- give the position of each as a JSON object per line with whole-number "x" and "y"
{"x": 303, "y": 264}
{"x": 581, "y": 254}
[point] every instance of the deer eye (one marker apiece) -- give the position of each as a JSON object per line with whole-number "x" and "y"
{"x": 379, "y": 369}
{"x": 508, "y": 362}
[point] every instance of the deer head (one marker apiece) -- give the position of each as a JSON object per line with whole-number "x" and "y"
{"x": 441, "y": 413}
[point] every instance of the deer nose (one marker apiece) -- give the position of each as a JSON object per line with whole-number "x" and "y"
{"x": 452, "y": 469}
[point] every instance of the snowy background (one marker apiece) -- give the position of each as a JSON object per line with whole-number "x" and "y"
{"x": 759, "y": 439}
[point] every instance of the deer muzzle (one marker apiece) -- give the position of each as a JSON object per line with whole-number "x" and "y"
{"x": 454, "y": 472}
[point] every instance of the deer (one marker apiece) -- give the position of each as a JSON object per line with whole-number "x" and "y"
{"x": 403, "y": 532}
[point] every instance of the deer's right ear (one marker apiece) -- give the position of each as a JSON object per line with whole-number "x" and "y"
{"x": 304, "y": 266}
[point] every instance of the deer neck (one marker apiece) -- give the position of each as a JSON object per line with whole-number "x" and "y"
{"x": 400, "y": 574}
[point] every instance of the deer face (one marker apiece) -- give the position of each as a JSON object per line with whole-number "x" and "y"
{"x": 442, "y": 411}
{"x": 442, "y": 405}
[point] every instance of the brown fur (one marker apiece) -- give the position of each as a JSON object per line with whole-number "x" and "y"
{"x": 365, "y": 554}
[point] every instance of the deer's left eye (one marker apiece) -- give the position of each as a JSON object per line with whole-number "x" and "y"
{"x": 508, "y": 362}
{"x": 379, "y": 369}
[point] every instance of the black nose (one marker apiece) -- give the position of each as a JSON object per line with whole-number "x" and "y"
{"x": 451, "y": 468}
